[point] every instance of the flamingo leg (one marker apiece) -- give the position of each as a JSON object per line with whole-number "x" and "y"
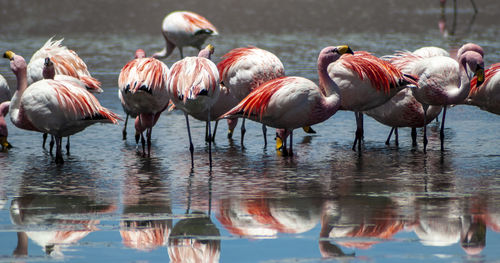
{"x": 425, "y": 127}
{"x": 215, "y": 130}
{"x": 51, "y": 144}
{"x": 243, "y": 130}
{"x": 396, "y": 135}
{"x": 359, "y": 131}
{"x": 67, "y": 146}
{"x": 474, "y": 6}
{"x": 387, "y": 142}
{"x": 59, "y": 158}
{"x": 414, "y": 136}
{"x": 143, "y": 144}
{"x": 264, "y": 132}
{"x": 441, "y": 133}
{"x": 206, "y": 132}
{"x": 124, "y": 132}
{"x": 180, "y": 50}
{"x": 44, "y": 136}
{"x": 191, "y": 148}
{"x": 290, "y": 152}
{"x": 210, "y": 141}
{"x": 148, "y": 135}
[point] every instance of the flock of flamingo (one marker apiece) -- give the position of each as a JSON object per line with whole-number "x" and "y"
{"x": 407, "y": 89}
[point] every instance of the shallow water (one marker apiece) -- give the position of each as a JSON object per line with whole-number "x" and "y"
{"x": 391, "y": 204}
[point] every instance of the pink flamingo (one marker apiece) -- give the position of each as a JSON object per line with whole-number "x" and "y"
{"x": 366, "y": 82}
{"x": 244, "y": 69}
{"x": 193, "y": 86}
{"x": 57, "y": 107}
{"x": 4, "y": 109}
{"x": 293, "y": 102}
{"x": 442, "y": 80}
{"x": 403, "y": 110}
{"x": 66, "y": 62}
{"x": 4, "y": 90}
{"x": 487, "y": 95}
{"x": 142, "y": 91}
{"x": 183, "y": 28}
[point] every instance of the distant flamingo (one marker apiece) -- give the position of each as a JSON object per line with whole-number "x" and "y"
{"x": 366, "y": 82}
{"x": 403, "y": 110}
{"x": 442, "y": 80}
{"x": 183, "y": 28}
{"x": 244, "y": 69}
{"x": 193, "y": 86}
{"x": 293, "y": 102}
{"x": 66, "y": 62}
{"x": 4, "y": 90}
{"x": 57, "y": 107}
{"x": 487, "y": 95}
{"x": 142, "y": 91}
{"x": 431, "y": 51}
{"x": 4, "y": 109}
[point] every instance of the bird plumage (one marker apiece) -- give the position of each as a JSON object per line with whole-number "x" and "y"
{"x": 487, "y": 95}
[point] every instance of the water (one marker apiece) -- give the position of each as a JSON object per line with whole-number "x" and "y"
{"x": 327, "y": 203}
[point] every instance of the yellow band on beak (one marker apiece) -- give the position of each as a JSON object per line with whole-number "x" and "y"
{"x": 480, "y": 75}
{"x": 279, "y": 143}
{"x": 211, "y": 48}
{"x": 344, "y": 49}
{"x": 9, "y": 54}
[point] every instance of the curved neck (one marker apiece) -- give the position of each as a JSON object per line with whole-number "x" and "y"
{"x": 326, "y": 84}
{"x": 458, "y": 96}
{"x": 22, "y": 85}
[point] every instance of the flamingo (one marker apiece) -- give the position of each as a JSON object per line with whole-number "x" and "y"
{"x": 57, "y": 107}
{"x": 4, "y": 109}
{"x": 403, "y": 110}
{"x": 366, "y": 82}
{"x": 4, "y": 90}
{"x": 142, "y": 91}
{"x": 442, "y": 80}
{"x": 430, "y": 51}
{"x": 184, "y": 28}
{"x": 193, "y": 86}
{"x": 487, "y": 95}
{"x": 292, "y": 102}
{"x": 244, "y": 69}
{"x": 67, "y": 62}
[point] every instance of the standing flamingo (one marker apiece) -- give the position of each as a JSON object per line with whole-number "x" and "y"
{"x": 142, "y": 91}
{"x": 4, "y": 109}
{"x": 193, "y": 86}
{"x": 292, "y": 102}
{"x": 183, "y": 28}
{"x": 66, "y": 62}
{"x": 366, "y": 82}
{"x": 403, "y": 110}
{"x": 57, "y": 107}
{"x": 244, "y": 69}
{"x": 442, "y": 80}
{"x": 4, "y": 90}
{"x": 487, "y": 95}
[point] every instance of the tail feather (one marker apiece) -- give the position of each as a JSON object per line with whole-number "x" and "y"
{"x": 92, "y": 84}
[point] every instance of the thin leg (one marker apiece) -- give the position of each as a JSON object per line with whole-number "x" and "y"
{"x": 359, "y": 131}
{"x": 59, "y": 158}
{"x": 361, "y": 136}
{"x": 67, "y": 146}
{"x": 51, "y": 144}
{"x": 396, "y": 135}
{"x": 149, "y": 131}
{"x": 124, "y": 132}
{"x": 264, "y": 132}
{"x": 290, "y": 152}
{"x": 215, "y": 130}
{"x": 243, "y": 130}
{"x": 425, "y": 127}
{"x": 191, "y": 148}
{"x": 441, "y": 133}
{"x": 414, "y": 136}
{"x": 474, "y": 6}
{"x": 387, "y": 142}
{"x": 44, "y": 136}
{"x": 209, "y": 142}
{"x": 284, "y": 148}
{"x": 356, "y": 133}
{"x": 206, "y": 132}
{"x": 180, "y": 50}
{"x": 143, "y": 144}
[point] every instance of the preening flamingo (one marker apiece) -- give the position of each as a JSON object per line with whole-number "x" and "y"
{"x": 66, "y": 62}
{"x": 193, "y": 86}
{"x": 184, "y": 28}
{"x": 57, "y": 107}
{"x": 442, "y": 80}
{"x": 293, "y": 102}
{"x": 366, "y": 82}
{"x": 487, "y": 95}
{"x": 403, "y": 110}
{"x": 142, "y": 91}
{"x": 4, "y": 90}
{"x": 244, "y": 69}
{"x": 4, "y": 109}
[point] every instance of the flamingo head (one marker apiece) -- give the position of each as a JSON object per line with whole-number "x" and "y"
{"x": 331, "y": 54}
{"x": 207, "y": 51}
{"x": 473, "y": 63}
{"x": 470, "y": 47}
{"x": 48, "y": 69}
{"x": 17, "y": 62}
{"x": 140, "y": 53}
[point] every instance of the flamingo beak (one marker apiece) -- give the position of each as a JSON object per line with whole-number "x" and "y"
{"x": 279, "y": 143}
{"x": 9, "y": 54}
{"x": 309, "y": 129}
{"x": 230, "y": 133}
{"x": 4, "y": 143}
{"x": 345, "y": 49}
{"x": 480, "y": 76}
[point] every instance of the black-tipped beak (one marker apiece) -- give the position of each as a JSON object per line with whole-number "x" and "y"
{"x": 349, "y": 51}
{"x": 480, "y": 76}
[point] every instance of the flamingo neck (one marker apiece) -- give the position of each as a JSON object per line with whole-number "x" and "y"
{"x": 326, "y": 84}
{"x": 22, "y": 85}
{"x": 458, "y": 96}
